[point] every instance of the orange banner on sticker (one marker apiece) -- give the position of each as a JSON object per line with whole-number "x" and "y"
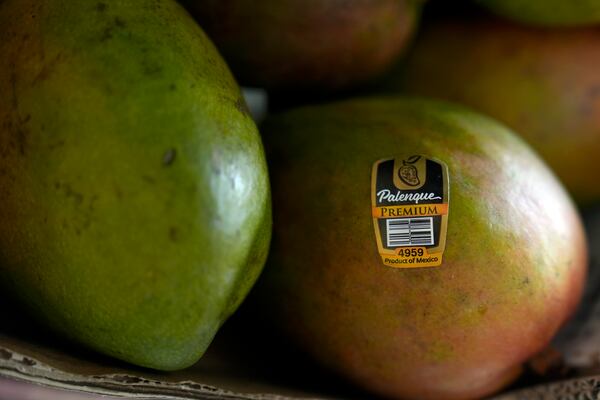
{"x": 417, "y": 210}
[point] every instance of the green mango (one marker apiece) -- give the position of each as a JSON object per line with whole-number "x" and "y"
{"x": 134, "y": 195}
{"x": 512, "y": 271}
{"x": 547, "y": 12}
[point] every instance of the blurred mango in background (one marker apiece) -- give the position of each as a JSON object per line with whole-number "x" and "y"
{"x": 309, "y": 45}
{"x": 543, "y": 83}
{"x": 547, "y": 12}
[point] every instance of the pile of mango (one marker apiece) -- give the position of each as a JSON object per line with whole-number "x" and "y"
{"x": 139, "y": 201}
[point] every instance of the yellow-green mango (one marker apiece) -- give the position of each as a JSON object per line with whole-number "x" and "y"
{"x": 134, "y": 199}
{"x": 511, "y": 274}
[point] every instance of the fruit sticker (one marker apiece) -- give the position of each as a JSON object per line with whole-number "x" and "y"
{"x": 410, "y": 198}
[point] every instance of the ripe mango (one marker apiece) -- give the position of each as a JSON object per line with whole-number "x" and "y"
{"x": 308, "y": 45}
{"x": 512, "y": 271}
{"x": 542, "y": 83}
{"x": 134, "y": 198}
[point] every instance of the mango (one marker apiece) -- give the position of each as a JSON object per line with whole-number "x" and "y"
{"x": 542, "y": 83}
{"x": 547, "y": 12}
{"x": 314, "y": 45}
{"x": 512, "y": 271}
{"x": 134, "y": 195}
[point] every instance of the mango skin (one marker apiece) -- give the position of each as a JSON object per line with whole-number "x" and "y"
{"x": 513, "y": 268}
{"x": 527, "y": 78}
{"x": 308, "y": 45}
{"x": 547, "y": 12}
{"x": 134, "y": 195}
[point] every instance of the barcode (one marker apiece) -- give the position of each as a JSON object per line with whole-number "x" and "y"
{"x": 409, "y": 231}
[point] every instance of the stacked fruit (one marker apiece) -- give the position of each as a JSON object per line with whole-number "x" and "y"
{"x": 420, "y": 249}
